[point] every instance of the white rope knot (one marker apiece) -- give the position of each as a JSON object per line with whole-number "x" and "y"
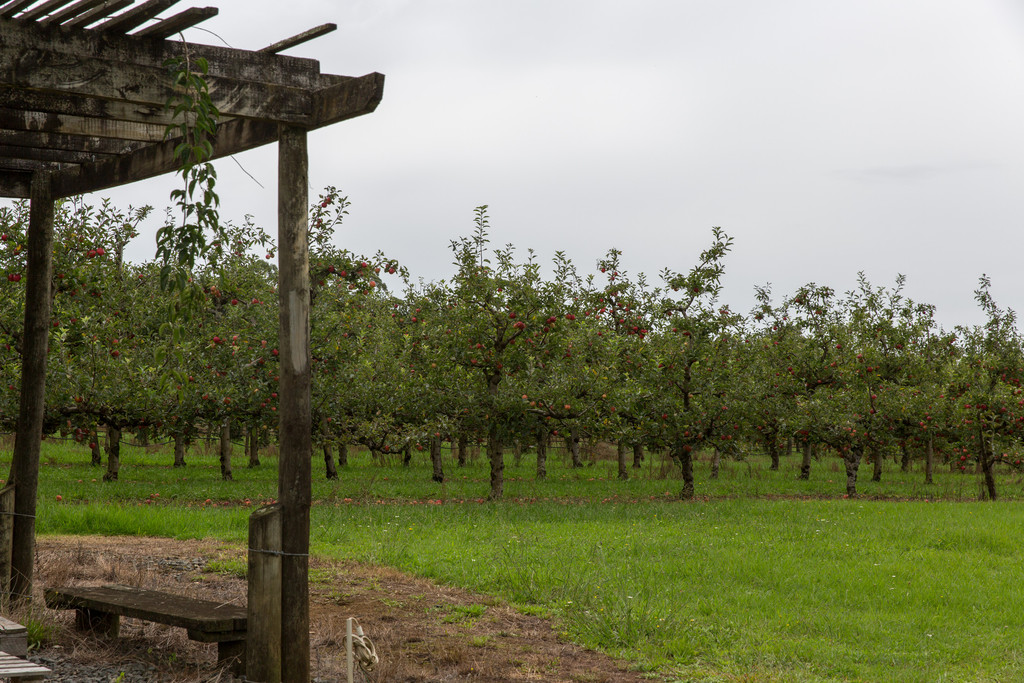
{"x": 363, "y": 650}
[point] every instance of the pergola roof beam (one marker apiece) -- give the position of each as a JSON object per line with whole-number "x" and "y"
{"x": 136, "y": 17}
{"x": 299, "y": 39}
{"x": 15, "y": 184}
{"x": 94, "y": 15}
{"x": 177, "y": 23}
{"x": 260, "y": 67}
{"x": 43, "y": 154}
{"x": 60, "y": 75}
{"x": 73, "y": 143}
{"x": 79, "y": 8}
{"x": 21, "y": 120}
{"x": 13, "y": 7}
{"x": 42, "y": 10}
{"x": 36, "y": 100}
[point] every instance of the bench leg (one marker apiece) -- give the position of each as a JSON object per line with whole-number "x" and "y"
{"x": 100, "y": 622}
{"x": 232, "y": 652}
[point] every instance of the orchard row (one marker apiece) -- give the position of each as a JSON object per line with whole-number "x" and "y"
{"x": 503, "y": 354}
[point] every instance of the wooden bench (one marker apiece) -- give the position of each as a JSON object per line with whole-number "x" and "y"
{"x": 21, "y": 670}
{"x": 100, "y": 609}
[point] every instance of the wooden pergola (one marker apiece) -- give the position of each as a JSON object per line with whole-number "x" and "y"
{"x": 83, "y": 89}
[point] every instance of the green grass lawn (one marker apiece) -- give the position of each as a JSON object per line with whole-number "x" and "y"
{"x": 763, "y": 577}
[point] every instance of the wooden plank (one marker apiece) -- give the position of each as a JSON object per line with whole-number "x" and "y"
{"x": 346, "y": 99}
{"x": 94, "y": 15}
{"x": 156, "y": 159}
{"x": 263, "y": 654}
{"x": 260, "y": 67}
{"x": 301, "y": 38}
{"x": 136, "y": 17}
{"x": 27, "y": 442}
{"x": 40, "y": 11}
{"x": 295, "y": 426}
{"x": 6, "y": 537}
{"x": 17, "y": 120}
{"x": 66, "y": 75}
{"x": 16, "y": 666}
{"x": 35, "y": 100}
{"x": 60, "y": 156}
{"x": 72, "y": 11}
{"x": 13, "y": 7}
{"x": 149, "y": 605}
{"x": 26, "y": 165}
{"x": 74, "y": 143}
{"x": 179, "y": 22}
{"x": 15, "y": 184}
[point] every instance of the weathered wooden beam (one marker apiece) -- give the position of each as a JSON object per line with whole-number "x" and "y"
{"x": 40, "y": 11}
{"x": 29, "y": 166}
{"x": 20, "y": 120}
{"x": 135, "y": 17}
{"x": 295, "y": 425}
{"x": 78, "y": 8}
{"x": 346, "y": 99}
{"x": 15, "y": 184}
{"x": 179, "y": 22}
{"x": 301, "y": 38}
{"x": 35, "y": 100}
{"x": 13, "y": 7}
{"x": 60, "y": 156}
{"x": 67, "y": 76}
{"x": 94, "y": 15}
{"x": 156, "y": 159}
{"x": 261, "y": 67}
{"x": 25, "y": 460}
{"x": 74, "y": 143}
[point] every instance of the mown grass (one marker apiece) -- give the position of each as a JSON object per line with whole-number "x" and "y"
{"x": 763, "y": 576}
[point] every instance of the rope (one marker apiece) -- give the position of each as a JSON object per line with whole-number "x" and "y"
{"x": 362, "y": 648}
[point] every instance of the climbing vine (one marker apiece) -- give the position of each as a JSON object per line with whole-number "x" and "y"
{"x": 194, "y": 123}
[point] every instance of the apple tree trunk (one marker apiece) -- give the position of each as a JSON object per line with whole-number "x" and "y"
{"x": 179, "y": 450}
{"x": 542, "y": 453}
{"x": 805, "y": 463}
{"x": 876, "y": 460}
{"x": 435, "y": 459}
{"x": 113, "y": 453}
{"x": 852, "y": 457}
{"x": 623, "y": 461}
{"x": 252, "y": 447}
{"x": 772, "y": 445}
{"x": 94, "y": 447}
{"x": 462, "y": 446}
{"x": 929, "y": 460}
{"x": 330, "y": 469}
{"x": 24, "y": 473}
{"x": 638, "y": 455}
{"x": 985, "y": 459}
{"x": 574, "y": 448}
{"x": 716, "y": 462}
{"x": 342, "y": 454}
{"x": 225, "y": 450}
{"x": 904, "y": 457}
{"x": 684, "y": 457}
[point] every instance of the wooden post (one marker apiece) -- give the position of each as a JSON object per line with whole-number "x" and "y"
{"x": 263, "y": 637}
{"x": 6, "y": 531}
{"x": 296, "y": 424}
{"x": 25, "y": 462}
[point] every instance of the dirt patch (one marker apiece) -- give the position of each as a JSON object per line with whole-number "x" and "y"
{"x": 422, "y": 631}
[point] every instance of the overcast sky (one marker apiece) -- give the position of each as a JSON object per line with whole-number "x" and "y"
{"x": 826, "y": 136}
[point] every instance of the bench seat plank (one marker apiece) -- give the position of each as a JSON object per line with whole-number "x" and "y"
{"x": 11, "y": 666}
{"x": 198, "y": 616}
